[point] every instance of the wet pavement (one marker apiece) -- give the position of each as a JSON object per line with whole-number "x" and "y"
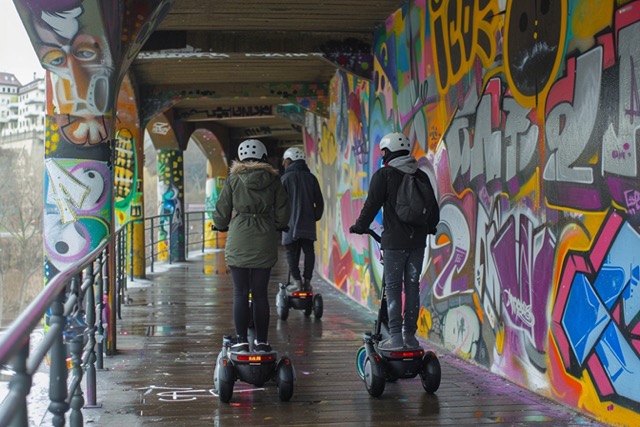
{"x": 171, "y": 333}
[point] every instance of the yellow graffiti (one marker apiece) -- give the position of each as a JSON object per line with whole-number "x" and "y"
{"x": 500, "y": 336}
{"x": 52, "y": 137}
{"x": 425, "y": 322}
{"x": 452, "y": 23}
{"x": 353, "y": 179}
{"x": 328, "y": 148}
{"x": 589, "y": 18}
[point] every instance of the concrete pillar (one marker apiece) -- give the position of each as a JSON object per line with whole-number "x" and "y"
{"x": 171, "y": 203}
{"x": 86, "y": 49}
{"x": 128, "y": 178}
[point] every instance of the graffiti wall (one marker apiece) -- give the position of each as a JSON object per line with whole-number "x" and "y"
{"x": 525, "y": 116}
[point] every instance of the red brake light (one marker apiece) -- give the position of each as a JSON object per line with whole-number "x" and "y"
{"x": 255, "y": 358}
{"x": 407, "y": 354}
{"x": 301, "y": 294}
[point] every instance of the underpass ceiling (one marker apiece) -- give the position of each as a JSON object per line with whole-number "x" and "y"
{"x": 255, "y": 66}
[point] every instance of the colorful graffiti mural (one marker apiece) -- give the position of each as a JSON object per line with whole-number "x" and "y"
{"x": 525, "y": 115}
{"x": 171, "y": 205}
{"x": 127, "y": 181}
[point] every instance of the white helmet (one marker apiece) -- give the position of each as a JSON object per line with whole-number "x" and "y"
{"x": 251, "y": 149}
{"x": 396, "y": 141}
{"x": 293, "y": 153}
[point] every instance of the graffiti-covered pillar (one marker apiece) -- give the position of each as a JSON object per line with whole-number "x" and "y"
{"x": 171, "y": 200}
{"x": 128, "y": 178}
{"x": 86, "y": 48}
{"x": 208, "y": 140}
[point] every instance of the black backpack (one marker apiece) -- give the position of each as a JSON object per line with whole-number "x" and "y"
{"x": 416, "y": 203}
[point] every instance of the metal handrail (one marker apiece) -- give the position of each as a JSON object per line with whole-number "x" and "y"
{"x": 62, "y": 297}
{"x": 201, "y": 217}
{"x": 150, "y": 235}
{"x": 75, "y": 295}
{"x": 153, "y": 224}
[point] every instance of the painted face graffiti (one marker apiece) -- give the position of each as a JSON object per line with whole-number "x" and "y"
{"x": 81, "y": 67}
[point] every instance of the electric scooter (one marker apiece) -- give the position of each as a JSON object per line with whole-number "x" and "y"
{"x": 256, "y": 368}
{"x": 304, "y": 299}
{"x": 377, "y": 367}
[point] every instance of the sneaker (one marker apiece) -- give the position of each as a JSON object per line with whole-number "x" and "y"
{"x": 241, "y": 345}
{"x": 261, "y": 347}
{"x": 391, "y": 343}
{"x": 294, "y": 286}
{"x": 307, "y": 285}
{"x": 410, "y": 341}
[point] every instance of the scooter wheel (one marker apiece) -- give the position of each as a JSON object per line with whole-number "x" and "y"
{"x": 226, "y": 379}
{"x": 308, "y": 309}
{"x": 283, "y": 312}
{"x": 285, "y": 379}
{"x": 430, "y": 373}
{"x": 372, "y": 380}
{"x": 361, "y": 357}
{"x": 282, "y": 303}
{"x": 318, "y": 306}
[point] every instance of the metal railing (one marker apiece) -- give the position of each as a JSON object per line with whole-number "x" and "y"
{"x": 74, "y": 304}
{"x": 196, "y": 231}
{"x": 195, "y": 235}
{"x": 74, "y": 301}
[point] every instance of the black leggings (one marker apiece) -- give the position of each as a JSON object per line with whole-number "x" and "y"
{"x": 256, "y": 281}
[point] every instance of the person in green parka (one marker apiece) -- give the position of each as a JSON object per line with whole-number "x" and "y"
{"x": 254, "y": 207}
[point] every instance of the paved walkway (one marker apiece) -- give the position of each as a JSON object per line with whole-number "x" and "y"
{"x": 171, "y": 333}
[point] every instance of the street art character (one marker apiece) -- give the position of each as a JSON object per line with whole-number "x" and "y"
{"x": 71, "y": 46}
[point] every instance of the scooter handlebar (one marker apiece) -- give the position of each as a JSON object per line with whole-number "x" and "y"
{"x": 375, "y": 235}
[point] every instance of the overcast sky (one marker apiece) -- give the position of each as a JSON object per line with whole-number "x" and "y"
{"x": 16, "y": 52}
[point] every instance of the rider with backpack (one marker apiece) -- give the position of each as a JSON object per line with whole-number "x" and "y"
{"x": 410, "y": 214}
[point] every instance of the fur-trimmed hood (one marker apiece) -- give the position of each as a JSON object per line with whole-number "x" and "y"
{"x": 239, "y": 167}
{"x": 254, "y": 175}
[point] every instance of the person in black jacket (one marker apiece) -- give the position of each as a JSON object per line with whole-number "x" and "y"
{"x": 403, "y": 245}
{"x": 307, "y": 207}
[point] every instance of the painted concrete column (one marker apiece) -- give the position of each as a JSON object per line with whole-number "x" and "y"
{"x": 171, "y": 235}
{"x": 128, "y": 178}
{"x": 86, "y": 49}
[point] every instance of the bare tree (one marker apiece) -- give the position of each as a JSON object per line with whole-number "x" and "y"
{"x": 21, "y": 209}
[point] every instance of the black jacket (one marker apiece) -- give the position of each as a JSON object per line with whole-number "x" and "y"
{"x": 383, "y": 191}
{"x": 306, "y": 202}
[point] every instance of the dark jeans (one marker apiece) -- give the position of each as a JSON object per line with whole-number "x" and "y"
{"x": 402, "y": 264}
{"x": 293, "y": 258}
{"x": 256, "y": 281}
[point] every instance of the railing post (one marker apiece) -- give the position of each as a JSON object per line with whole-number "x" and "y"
{"x": 91, "y": 309}
{"x": 170, "y": 239}
{"x": 153, "y": 244}
{"x": 186, "y": 235}
{"x": 99, "y": 301}
{"x": 75, "y": 340}
{"x": 131, "y": 251}
{"x": 21, "y": 381}
{"x": 58, "y": 372}
{"x": 204, "y": 232}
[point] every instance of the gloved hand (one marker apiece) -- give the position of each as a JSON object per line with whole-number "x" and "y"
{"x": 356, "y": 229}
